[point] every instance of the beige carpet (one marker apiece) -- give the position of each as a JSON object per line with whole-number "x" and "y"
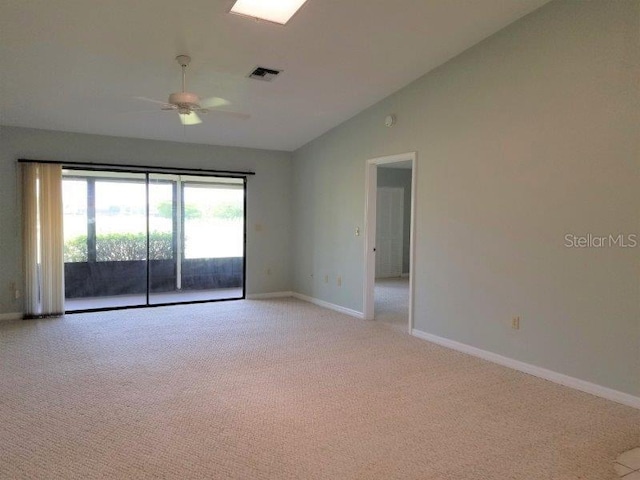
{"x": 391, "y": 305}
{"x": 282, "y": 389}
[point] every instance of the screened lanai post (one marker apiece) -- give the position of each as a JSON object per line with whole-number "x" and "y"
{"x": 43, "y": 239}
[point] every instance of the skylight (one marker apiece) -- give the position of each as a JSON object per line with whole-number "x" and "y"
{"x": 277, "y": 11}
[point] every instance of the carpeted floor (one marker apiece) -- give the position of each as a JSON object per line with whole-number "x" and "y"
{"x": 391, "y": 306}
{"x": 282, "y": 389}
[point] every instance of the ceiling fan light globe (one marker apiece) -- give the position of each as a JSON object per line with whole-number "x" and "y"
{"x": 190, "y": 118}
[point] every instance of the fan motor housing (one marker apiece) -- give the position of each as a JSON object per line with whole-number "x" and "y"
{"x": 184, "y": 99}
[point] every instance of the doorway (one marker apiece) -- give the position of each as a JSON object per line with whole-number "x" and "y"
{"x": 389, "y": 233}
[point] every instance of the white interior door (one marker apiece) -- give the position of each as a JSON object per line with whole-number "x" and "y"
{"x": 389, "y": 231}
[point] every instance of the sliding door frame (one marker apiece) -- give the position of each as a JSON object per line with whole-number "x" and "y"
{"x": 147, "y": 171}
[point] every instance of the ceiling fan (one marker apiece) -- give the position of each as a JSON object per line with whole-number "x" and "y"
{"x": 188, "y": 105}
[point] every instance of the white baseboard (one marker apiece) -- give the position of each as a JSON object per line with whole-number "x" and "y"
{"x": 330, "y": 306}
{"x": 567, "y": 381}
{"x": 11, "y": 316}
{"x": 264, "y": 296}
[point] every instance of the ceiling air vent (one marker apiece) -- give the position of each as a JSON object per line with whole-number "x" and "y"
{"x": 264, "y": 74}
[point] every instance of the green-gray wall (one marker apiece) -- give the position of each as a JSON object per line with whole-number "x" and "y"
{"x": 526, "y": 137}
{"x": 268, "y": 194}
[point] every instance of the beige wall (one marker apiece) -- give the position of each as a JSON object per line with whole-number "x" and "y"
{"x": 530, "y": 135}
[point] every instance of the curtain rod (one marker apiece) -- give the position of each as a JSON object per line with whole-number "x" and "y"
{"x": 138, "y": 167}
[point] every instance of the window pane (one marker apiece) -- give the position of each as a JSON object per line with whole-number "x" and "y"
{"x": 114, "y": 270}
{"x": 74, "y": 201}
{"x": 121, "y": 224}
{"x": 213, "y": 221}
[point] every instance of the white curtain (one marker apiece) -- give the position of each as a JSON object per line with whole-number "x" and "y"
{"x": 43, "y": 239}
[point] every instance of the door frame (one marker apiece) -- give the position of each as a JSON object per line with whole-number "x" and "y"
{"x": 371, "y": 186}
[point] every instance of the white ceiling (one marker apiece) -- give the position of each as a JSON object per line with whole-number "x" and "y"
{"x": 78, "y": 65}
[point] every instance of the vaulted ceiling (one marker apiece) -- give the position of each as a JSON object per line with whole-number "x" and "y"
{"x": 79, "y": 65}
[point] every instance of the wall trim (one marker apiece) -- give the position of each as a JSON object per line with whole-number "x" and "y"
{"x": 555, "y": 377}
{"x": 11, "y": 316}
{"x": 330, "y": 306}
{"x": 264, "y": 296}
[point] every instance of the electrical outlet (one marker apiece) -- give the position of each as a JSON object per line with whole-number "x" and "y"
{"x": 268, "y": 271}
{"x": 515, "y": 323}
{"x": 326, "y": 279}
{"x": 339, "y": 281}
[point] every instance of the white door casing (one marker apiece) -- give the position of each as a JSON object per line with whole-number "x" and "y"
{"x": 371, "y": 178}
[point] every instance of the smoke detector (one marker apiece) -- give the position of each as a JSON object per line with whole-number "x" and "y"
{"x": 390, "y": 120}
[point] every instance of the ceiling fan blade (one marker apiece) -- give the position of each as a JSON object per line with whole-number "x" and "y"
{"x": 190, "y": 118}
{"x": 214, "y": 102}
{"x": 135, "y": 112}
{"x": 152, "y": 100}
{"x": 228, "y": 113}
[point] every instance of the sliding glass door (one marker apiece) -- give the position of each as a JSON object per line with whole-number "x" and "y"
{"x": 105, "y": 239}
{"x": 196, "y": 227}
{"x": 136, "y": 239}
